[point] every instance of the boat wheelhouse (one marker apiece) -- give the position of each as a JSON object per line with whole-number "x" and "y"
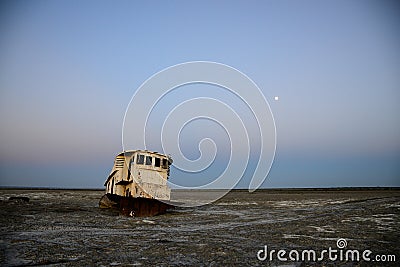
{"x": 140, "y": 173}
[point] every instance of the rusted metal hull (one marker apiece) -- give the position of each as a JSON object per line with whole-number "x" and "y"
{"x": 137, "y": 207}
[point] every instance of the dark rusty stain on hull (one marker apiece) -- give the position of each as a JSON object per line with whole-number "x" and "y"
{"x": 138, "y": 207}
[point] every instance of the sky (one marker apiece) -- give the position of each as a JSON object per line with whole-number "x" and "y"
{"x": 68, "y": 70}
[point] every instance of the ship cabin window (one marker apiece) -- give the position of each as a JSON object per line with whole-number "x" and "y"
{"x": 131, "y": 164}
{"x": 149, "y": 160}
{"x": 164, "y": 163}
{"x": 139, "y": 159}
{"x": 157, "y": 162}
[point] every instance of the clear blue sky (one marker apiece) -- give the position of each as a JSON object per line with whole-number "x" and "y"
{"x": 69, "y": 68}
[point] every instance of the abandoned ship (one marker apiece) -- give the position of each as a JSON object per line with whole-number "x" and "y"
{"x": 137, "y": 184}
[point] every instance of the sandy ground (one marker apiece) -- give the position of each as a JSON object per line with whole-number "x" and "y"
{"x": 66, "y": 228}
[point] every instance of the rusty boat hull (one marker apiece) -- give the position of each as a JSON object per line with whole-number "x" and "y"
{"x": 135, "y": 207}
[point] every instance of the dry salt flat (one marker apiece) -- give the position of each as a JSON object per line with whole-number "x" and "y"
{"x": 66, "y": 228}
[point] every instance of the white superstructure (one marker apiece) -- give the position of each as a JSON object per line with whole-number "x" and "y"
{"x": 140, "y": 173}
